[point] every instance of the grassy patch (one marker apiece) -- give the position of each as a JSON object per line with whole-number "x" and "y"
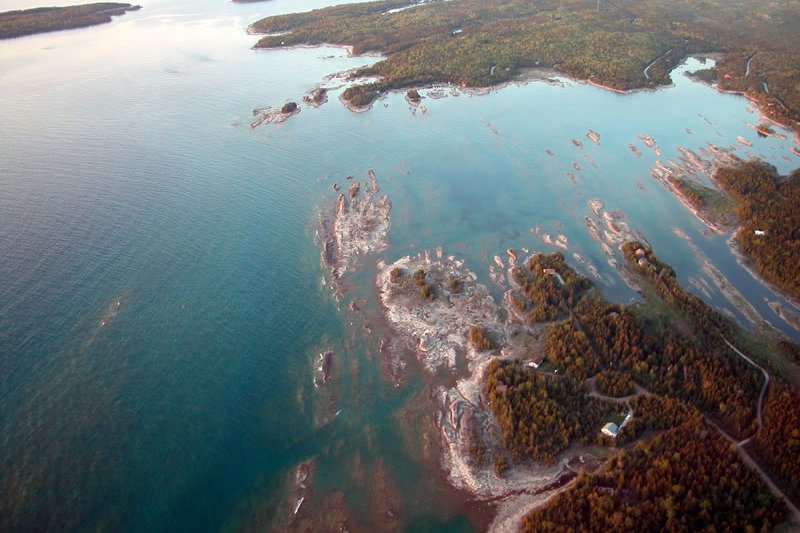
{"x": 657, "y": 316}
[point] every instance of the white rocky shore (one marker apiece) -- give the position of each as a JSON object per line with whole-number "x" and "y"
{"x": 435, "y": 322}
{"x": 267, "y": 115}
{"x": 431, "y": 300}
{"x": 439, "y": 324}
{"x": 356, "y": 225}
{"x": 610, "y": 231}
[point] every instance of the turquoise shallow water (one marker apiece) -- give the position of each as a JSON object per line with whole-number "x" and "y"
{"x": 161, "y": 300}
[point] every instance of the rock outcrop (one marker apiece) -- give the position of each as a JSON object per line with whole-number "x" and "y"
{"x": 356, "y": 225}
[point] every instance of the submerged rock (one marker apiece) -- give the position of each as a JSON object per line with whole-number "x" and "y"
{"x": 322, "y": 371}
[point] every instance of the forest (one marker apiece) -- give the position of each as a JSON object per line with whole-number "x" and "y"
{"x": 546, "y": 287}
{"x": 687, "y": 372}
{"x": 776, "y": 445}
{"x": 715, "y": 380}
{"x": 614, "y": 383}
{"x": 569, "y": 350}
{"x": 541, "y": 415}
{"x": 686, "y": 479}
{"x": 481, "y": 43}
{"x": 708, "y": 325}
{"x": 656, "y": 413}
{"x": 593, "y": 336}
{"x": 768, "y": 203}
{"x": 44, "y": 19}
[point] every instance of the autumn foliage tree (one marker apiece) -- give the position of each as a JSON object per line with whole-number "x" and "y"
{"x": 777, "y": 442}
{"x": 687, "y": 479}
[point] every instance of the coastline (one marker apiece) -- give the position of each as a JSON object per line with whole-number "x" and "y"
{"x": 728, "y": 290}
{"x": 660, "y": 173}
{"x": 527, "y": 75}
{"x": 722, "y": 229}
{"x": 763, "y": 117}
{"x": 434, "y": 333}
{"x": 747, "y": 264}
{"x": 698, "y": 212}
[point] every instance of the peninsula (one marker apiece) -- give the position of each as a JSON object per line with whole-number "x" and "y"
{"x": 764, "y": 204}
{"x": 680, "y": 387}
{"x": 623, "y": 45}
{"x": 46, "y": 19}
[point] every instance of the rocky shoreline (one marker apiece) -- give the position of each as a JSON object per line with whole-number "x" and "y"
{"x": 728, "y": 290}
{"x": 431, "y": 300}
{"x": 611, "y": 238}
{"x": 356, "y": 224}
{"x": 267, "y": 115}
{"x": 663, "y": 174}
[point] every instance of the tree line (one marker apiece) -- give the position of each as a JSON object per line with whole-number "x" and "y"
{"x": 45, "y": 19}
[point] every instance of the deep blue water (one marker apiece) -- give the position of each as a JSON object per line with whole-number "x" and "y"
{"x": 161, "y": 300}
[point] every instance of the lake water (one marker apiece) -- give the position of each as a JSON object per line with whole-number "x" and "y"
{"x": 161, "y": 302}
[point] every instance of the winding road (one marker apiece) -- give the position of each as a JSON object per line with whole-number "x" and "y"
{"x": 752, "y": 464}
{"x": 740, "y": 444}
{"x": 760, "y": 407}
{"x": 647, "y": 68}
{"x": 747, "y": 66}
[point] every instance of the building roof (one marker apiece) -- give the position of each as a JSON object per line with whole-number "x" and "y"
{"x": 535, "y": 362}
{"x": 610, "y": 429}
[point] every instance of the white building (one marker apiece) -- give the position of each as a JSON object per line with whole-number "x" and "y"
{"x": 610, "y": 429}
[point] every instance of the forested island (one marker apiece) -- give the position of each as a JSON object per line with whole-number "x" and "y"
{"x": 625, "y": 44}
{"x": 45, "y": 19}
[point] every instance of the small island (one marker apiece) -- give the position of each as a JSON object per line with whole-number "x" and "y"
{"x": 317, "y": 97}
{"x": 413, "y": 97}
{"x": 267, "y": 115}
{"x": 46, "y": 19}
